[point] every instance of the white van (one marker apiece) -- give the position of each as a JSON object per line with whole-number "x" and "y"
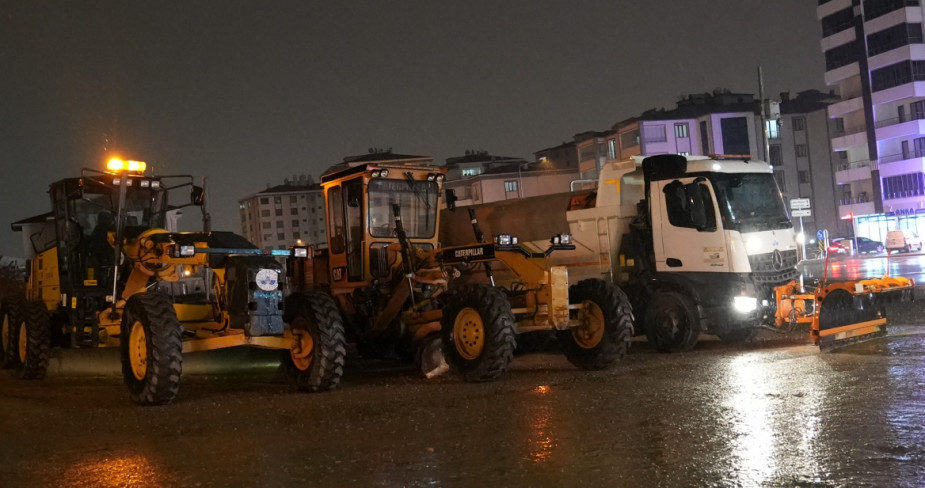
{"x": 903, "y": 241}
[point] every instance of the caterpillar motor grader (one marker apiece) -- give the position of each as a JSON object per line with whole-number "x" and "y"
{"x": 105, "y": 272}
{"x": 395, "y": 286}
{"x": 699, "y": 244}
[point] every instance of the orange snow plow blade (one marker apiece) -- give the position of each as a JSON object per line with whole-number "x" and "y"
{"x": 853, "y": 311}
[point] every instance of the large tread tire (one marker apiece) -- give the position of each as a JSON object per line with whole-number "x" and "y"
{"x": 317, "y": 364}
{"x": 10, "y": 311}
{"x": 152, "y": 349}
{"x": 34, "y": 341}
{"x": 607, "y": 328}
{"x": 672, "y": 323}
{"x": 477, "y": 329}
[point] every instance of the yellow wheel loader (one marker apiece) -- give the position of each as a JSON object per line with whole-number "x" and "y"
{"x": 400, "y": 293}
{"x": 104, "y": 271}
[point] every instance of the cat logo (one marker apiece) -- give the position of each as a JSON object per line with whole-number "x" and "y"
{"x": 337, "y": 274}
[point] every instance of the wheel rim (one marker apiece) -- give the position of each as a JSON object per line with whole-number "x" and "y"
{"x": 469, "y": 333}
{"x": 23, "y": 342}
{"x": 303, "y": 346}
{"x": 669, "y": 323}
{"x": 5, "y": 334}
{"x": 589, "y": 334}
{"x": 138, "y": 351}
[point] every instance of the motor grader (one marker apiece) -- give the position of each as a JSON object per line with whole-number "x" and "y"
{"x": 105, "y": 272}
{"x": 400, "y": 292}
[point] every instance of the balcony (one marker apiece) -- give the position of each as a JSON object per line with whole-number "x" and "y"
{"x": 839, "y": 38}
{"x": 830, "y": 7}
{"x": 843, "y": 73}
{"x": 851, "y": 137}
{"x": 855, "y": 206}
{"x": 853, "y": 171}
{"x": 844, "y": 107}
{"x": 910, "y": 89}
{"x": 896, "y": 127}
{"x": 902, "y": 164}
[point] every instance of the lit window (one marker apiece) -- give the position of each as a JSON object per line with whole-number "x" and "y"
{"x": 471, "y": 171}
{"x": 681, "y": 131}
{"x": 773, "y": 129}
{"x": 510, "y": 185}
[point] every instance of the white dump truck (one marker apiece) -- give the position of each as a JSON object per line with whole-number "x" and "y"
{"x": 699, "y": 244}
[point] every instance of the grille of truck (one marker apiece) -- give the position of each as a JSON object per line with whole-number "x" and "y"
{"x": 774, "y": 268}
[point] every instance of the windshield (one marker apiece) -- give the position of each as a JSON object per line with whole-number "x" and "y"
{"x": 418, "y": 202}
{"x": 750, "y": 202}
{"x": 144, "y": 208}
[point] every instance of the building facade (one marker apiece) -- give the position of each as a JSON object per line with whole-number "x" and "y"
{"x": 479, "y": 177}
{"x": 285, "y": 215}
{"x": 875, "y": 59}
{"x": 723, "y": 122}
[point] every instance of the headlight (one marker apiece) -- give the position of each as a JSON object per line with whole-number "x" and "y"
{"x": 267, "y": 279}
{"x": 187, "y": 250}
{"x": 300, "y": 252}
{"x": 503, "y": 239}
{"x": 745, "y": 304}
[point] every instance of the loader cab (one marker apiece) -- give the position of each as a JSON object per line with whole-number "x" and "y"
{"x": 86, "y": 212}
{"x": 363, "y": 245}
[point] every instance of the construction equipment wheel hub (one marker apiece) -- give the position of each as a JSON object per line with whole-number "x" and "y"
{"x": 138, "y": 351}
{"x": 589, "y": 334}
{"x": 469, "y": 333}
{"x": 302, "y": 348}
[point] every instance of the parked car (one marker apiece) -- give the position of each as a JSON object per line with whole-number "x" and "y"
{"x": 862, "y": 245}
{"x": 903, "y": 240}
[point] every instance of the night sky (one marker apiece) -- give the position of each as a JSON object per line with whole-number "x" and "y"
{"x": 249, "y": 93}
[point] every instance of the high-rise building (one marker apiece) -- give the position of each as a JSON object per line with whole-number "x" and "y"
{"x": 875, "y": 59}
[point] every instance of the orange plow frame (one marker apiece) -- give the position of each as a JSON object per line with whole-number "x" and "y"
{"x": 867, "y": 296}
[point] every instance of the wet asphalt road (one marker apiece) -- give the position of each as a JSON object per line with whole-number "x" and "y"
{"x": 775, "y": 413}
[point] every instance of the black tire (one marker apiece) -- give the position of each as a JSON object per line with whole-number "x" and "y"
{"x": 34, "y": 340}
{"x": 152, "y": 349}
{"x": 738, "y": 335}
{"x": 672, "y": 323}
{"x": 607, "y": 325}
{"x": 317, "y": 364}
{"x": 10, "y": 308}
{"x": 478, "y": 332}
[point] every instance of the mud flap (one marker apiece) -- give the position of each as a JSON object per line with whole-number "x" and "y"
{"x": 855, "y": 311}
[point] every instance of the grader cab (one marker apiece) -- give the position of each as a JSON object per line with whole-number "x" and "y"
{"x": 105, "y": 272}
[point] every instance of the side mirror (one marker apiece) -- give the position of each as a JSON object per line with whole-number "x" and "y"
{"x": 450, "y": 198}
{"x": 197, "y": 195}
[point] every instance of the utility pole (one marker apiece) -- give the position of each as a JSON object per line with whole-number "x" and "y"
{"x": 764, "y": 120}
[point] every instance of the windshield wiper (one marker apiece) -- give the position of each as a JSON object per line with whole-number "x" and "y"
{"x": 414, "y": 189}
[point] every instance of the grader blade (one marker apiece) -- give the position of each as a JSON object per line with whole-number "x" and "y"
{"x": 855, "y": 311}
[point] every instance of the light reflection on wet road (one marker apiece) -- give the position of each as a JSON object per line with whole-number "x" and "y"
{"x": 779, "y": 413}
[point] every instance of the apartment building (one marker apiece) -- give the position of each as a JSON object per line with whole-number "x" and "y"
{"x": 724, "y": 122}
{"x": 284, "y": 215}
{"x": 875, "y": 59}
{"x": 479, "y": 177}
